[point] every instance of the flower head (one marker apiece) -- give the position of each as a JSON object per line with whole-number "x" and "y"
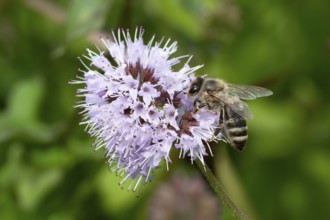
{"x": 137, "y": 107}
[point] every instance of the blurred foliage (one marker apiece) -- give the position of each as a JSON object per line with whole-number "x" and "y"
{"x": 49, "y": 169}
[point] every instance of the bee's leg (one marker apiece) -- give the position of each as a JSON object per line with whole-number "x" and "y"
{"x": 221, "y": 118}
{"x": 222, "y": 128}
{"x": 198, "y": 105}
{"x": 224, "y": 134}
{"x": 220, "y": 125}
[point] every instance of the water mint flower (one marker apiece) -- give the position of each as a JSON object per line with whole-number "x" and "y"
{"x": 136, "y": 105}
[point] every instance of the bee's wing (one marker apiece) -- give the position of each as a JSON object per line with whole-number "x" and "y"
{"x": 234, "y": 103}
{"x": 248, "y": 92}
{"x": 241, "y": 108}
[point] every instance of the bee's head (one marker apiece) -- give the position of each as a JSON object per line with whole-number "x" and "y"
{"x": 195, "y": 86}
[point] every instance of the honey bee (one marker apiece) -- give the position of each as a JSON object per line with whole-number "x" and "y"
{"x": 218, "y": 95}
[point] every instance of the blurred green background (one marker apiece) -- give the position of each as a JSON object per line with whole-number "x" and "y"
{"x": 48, "y": 167}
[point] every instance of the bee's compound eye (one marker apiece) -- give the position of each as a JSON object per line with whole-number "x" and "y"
{"x": 194, "y": 89}
{"x": 196, "y": 86}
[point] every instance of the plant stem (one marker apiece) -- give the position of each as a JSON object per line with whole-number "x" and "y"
{"x": 220, "y": 192}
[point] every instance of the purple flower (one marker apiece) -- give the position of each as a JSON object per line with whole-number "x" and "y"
{"x": 137, "y": 107}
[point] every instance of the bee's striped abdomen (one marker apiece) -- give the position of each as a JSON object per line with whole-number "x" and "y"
{"x": 236, "y": 129}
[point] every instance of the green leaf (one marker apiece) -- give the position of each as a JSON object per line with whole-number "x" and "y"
{"x": 115, "y": 198}
{"x": 20, "y": 119}
{"x": 34, "y": 187}
{"x": 24, "y": 100}
{"x": 10, "y": 170}
{"x": 85, "y": 16}
{"x": 177, "y": 14}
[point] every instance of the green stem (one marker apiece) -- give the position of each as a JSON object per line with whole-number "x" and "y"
{"x": 220, "y": 192}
